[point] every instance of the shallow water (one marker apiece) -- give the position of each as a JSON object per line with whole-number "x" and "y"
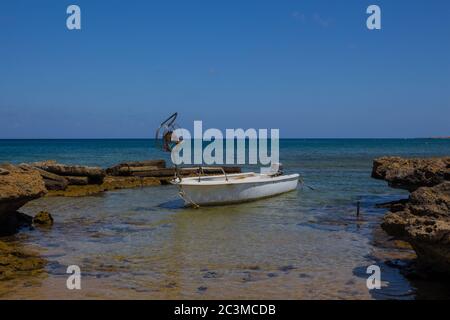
{"x": 142, "y": 243}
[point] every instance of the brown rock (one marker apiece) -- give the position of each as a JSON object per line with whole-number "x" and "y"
{"x": 125, "y": 168}
{"x": 395, "y": 223}
{"x": 109, "y": 183}
{"x": 77, "y": 181}
{"x": 43, "y": 218}
{"x": 163, "y": 172}
{"x": 159, "y": 163}
{"x": 95, "y": 174}
{"x": 127, "y": 171}
{"x": 424, "y": 219}
{"x": 16, "y": 262}
{"x": 432, "y": 202}
{"x": 18, "y": 187}
{"x": 411, "y": 174}
{"x": 52, "y": 181}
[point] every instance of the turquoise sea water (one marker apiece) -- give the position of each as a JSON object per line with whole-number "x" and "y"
{"x": 142, "y": 243}
{"x": 106, "y": 152}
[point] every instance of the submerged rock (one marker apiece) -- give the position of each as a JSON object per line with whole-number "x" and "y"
{"x": 424, "y": 219}
{"x": 16, "y": 262}
{"x": 43, "y": 218}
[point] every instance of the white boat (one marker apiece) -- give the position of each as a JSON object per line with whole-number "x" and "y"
{"x": 234, "y": 188}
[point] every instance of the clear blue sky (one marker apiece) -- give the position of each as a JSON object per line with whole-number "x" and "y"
{"x": 309, "y": 68}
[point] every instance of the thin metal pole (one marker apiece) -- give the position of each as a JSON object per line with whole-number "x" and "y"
{"x": 358, "y": 207}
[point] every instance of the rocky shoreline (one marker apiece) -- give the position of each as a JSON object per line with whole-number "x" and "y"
{"x": 422, "y": 220}
{"x": 22, "y": 183}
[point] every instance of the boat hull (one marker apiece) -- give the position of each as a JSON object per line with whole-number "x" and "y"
{"x": 228, "y": 193}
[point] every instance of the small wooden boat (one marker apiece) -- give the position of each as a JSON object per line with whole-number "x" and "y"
{"x": 234, "y": 188}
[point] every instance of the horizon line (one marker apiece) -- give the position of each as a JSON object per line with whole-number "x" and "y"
{"x": 287, "y": 138}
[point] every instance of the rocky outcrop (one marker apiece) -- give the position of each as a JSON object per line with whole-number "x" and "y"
{"x": 424, "y": 219}
{"x": 18, "y": 186}
{"x": 410, "y": 174}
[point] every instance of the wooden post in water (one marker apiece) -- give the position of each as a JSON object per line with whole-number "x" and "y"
{"x": 358, "y": 206}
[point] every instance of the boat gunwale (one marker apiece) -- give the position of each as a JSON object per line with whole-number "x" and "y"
{"x": 193, "y": 181}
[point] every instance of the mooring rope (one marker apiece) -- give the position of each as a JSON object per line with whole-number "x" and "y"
{"x": 300, "y": 179}
{"x": 186, "y": 198}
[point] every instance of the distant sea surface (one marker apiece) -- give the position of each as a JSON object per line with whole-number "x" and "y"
{"x": 142, "y": 243}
